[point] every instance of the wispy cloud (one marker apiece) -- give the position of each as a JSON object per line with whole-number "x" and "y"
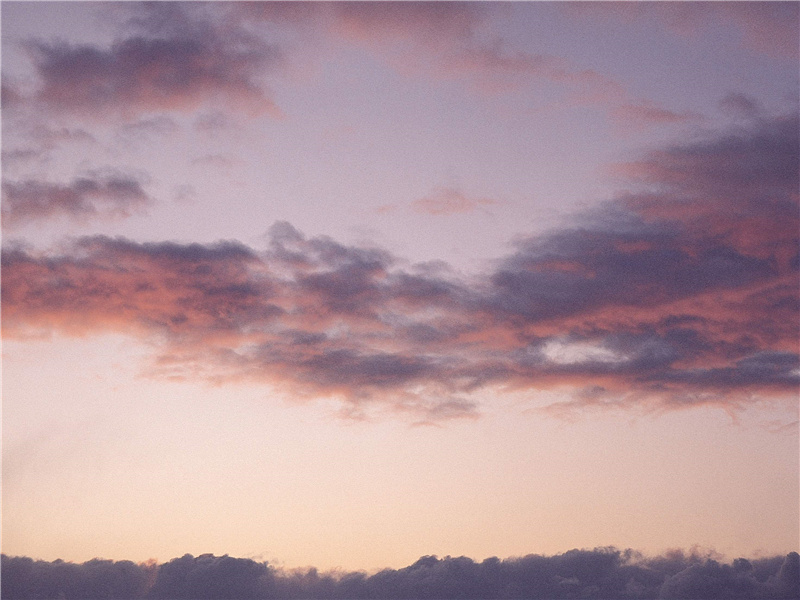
{"x": 105, "y": 195}
{"x": 636, "y": 117}
{"x": 176, "y": 58}
{"x": 449, "y": 41}
{"x": 765, "y": 27}
{"x": 448, "y": 201}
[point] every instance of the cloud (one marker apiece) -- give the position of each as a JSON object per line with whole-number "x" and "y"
{"x": 740, "y": 188}
{"x": 741, "y": 105}
{"x": 177, "y": 60}
{"x": 771, "y": 28}
{"x": 95, "y": 195}
{"x": 449, "y": 201}
{"x": 40, "y": 140}
{"x": 433, "y": 22}
{"x": 25, "y": 578}
{"x": 147, "y": 127}
{"x": 181, "y": 58}
{"x": 443, "y": 40}
{"x": 683, "y": 291}
{"x": 217, "y": 161}
{"x": 714, "y": 580}
{"x": 430, "y": 24}
{"x": 636, "y": 117}
{"x": 599, "y": 573}
{"x": 175, "y": 290}
{"x": 211, "y": 577}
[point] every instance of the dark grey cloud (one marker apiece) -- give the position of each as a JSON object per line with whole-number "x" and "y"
{"x": 598, "y": 573}
{"x": 711, "y": 579}
{"x": 25, "y": 578}
{"x": 211, "y": 577}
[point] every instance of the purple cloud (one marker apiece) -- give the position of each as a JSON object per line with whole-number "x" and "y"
{"x": 765, "y": 27}
{"x": 176, "y": 61}
{"x": 95, "y": 195}
{"x": 448, "y": 201}
{"x": 683, "y": 291}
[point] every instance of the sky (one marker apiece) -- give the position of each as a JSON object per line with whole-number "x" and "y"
{"x": 346, "y": 284}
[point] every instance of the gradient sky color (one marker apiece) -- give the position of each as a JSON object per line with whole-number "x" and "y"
{"x": 344, "y": 284}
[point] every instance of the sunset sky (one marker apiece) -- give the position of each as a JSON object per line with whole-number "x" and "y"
{"x": 344, "y": 284}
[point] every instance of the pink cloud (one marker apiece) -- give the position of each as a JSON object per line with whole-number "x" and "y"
{"x": 770, "y": 27}
{"x": 637, "y": 117}
{"x": 429, "y": 23}
{"x": 443, "y": 40}
{"x": 684, "y": 292}
{"x": 449, "y": 201}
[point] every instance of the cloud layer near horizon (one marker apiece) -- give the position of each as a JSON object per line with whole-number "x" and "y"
{"x": 682, "y": 291}
{"x": 598, "y": 573}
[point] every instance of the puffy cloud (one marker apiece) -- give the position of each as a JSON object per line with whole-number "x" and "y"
{"x": 683, "y": 291}
{"x": 750, "y": 164}
{"x": 714, "y": 580}
{"x": 598, "y": 573}
{"x": 181, "y": 57}
{"x": 176, "y": 59}
{"x": 211, "y": 577}
{"x": 171, "y": 289}
{"x": 95, "y": 195}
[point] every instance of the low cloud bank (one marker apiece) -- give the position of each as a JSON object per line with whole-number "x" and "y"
{"x": 598, "y": 573}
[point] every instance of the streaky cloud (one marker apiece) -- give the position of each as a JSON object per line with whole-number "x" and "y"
{"x": 442, "y": 40}
{"x": 448, "y": 201}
